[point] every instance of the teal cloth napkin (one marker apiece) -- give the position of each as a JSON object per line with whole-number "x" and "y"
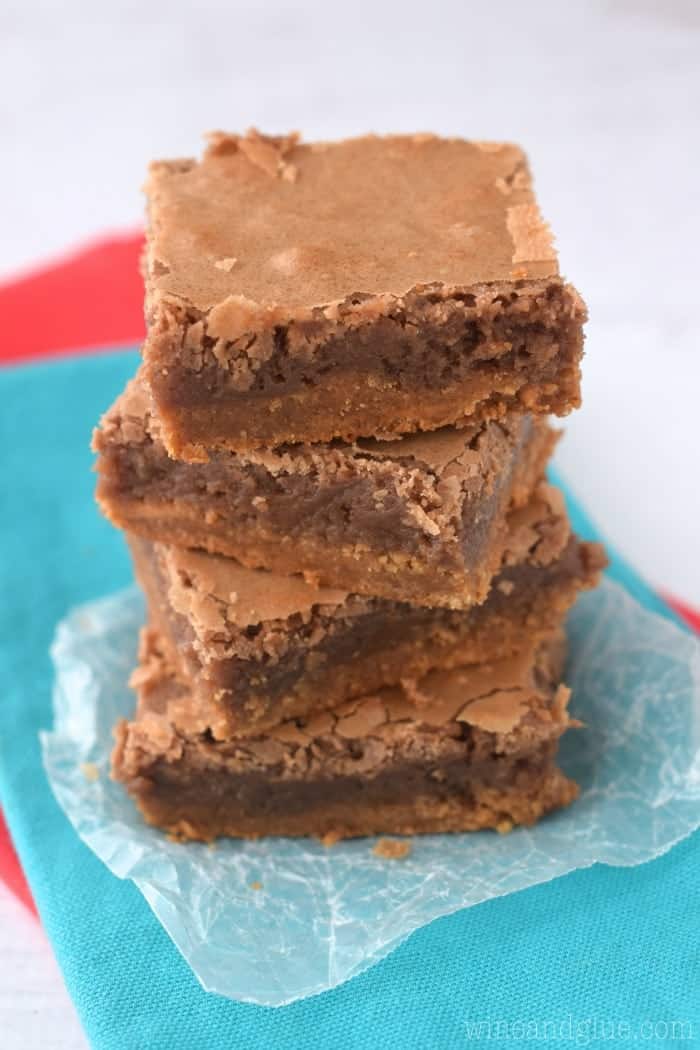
{"x": 602, "y": 952}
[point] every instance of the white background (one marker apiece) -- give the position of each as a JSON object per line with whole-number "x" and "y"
{"x": 604, "y": 96}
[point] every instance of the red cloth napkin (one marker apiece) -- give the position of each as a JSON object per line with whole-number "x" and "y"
{"x": 10, "y": 871}
{"x": 90, "y": 300}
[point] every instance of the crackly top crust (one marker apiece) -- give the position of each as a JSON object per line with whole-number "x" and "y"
{"x": 515, "y": 702}
{"x": 262, "y": 229}
{"x": 216, "y": 594}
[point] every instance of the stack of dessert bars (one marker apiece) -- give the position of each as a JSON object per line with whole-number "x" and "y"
{"x": 330, "y": 468}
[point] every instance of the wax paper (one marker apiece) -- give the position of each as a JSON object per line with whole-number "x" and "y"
{"x": 277, "y": 920}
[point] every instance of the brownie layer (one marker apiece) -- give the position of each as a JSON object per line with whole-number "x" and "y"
{"x": 256, "y": 648}
{"x": 420, "y": 519}
{"x": 392, "y": 285}
{"x": 434, "y": 359}
{"x": 459, "y": 750}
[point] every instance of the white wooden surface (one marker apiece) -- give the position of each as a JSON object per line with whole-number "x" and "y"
{"x": 35, "y": 1011}
{"x": 606, "y": 98}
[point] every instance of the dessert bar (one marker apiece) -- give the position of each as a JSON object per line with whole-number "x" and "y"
{"x": 257, "y": 648}
{"x": 468, "y": 748}
{"x": 420, "y": 519}
{"x": 369, "y": 287}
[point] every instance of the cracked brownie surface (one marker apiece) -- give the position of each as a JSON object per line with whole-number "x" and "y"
{"x": 368, "y": 287}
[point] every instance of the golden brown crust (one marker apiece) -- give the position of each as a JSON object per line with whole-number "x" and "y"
{"x": 498, "y": 809}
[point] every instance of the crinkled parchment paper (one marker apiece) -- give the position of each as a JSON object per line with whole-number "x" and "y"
{"x": 274, "y": 921}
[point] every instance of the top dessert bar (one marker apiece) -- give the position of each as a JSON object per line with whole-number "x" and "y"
{"x": 369, "y": 287}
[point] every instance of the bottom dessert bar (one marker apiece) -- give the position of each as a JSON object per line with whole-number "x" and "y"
{"x": 460, "y": 750}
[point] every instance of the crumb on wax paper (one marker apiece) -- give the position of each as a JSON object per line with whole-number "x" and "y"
{"x": 392, "y": 849}
{"x": 90, "y": 771}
